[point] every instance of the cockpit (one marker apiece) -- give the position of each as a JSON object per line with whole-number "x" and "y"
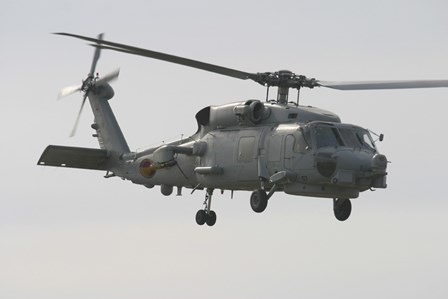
{"x": 341, "y": 135}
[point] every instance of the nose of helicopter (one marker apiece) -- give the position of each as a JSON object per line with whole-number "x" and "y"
{"x": 379, "y": 166}
{"x": 365, "y": 170}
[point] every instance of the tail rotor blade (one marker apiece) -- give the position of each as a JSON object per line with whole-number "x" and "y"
{"x": 69, "y": 90}
{"x": 109, "y": 77}
{"x": 89, "y": 82}
{"x": 73, "y": 132}
{"x": 96, "y": 56}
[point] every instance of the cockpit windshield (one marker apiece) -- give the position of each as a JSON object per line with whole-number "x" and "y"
{"x": 349, "y": 136}
{"x": 327, "y": 136}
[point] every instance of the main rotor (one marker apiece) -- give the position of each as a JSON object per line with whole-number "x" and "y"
{"x": 283, "y": 79}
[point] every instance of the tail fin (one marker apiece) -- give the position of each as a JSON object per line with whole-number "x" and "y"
{"x": 108, "y": 132}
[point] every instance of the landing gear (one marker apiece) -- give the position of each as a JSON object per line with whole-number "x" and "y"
{"x": 201, "y": 217}
{"x": 211, "y": 218}
{"x": 206, "y": 215}
{"x": 342, "y": 208}
{"x": 259, "y": 201}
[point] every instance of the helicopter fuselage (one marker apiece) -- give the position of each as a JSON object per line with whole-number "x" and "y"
{"x": 250, "y": 145}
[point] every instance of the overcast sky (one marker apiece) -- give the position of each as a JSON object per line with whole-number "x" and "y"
{"x": 67, "y": 233}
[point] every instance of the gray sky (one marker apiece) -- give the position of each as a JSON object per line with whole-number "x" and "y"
{"x": 73, "y": 234}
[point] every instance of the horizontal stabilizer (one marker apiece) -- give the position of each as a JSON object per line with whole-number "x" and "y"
{"x": 74, "y": 157}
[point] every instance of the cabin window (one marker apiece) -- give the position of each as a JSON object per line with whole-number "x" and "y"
{"x": 246, "y": 149}
{"x": 274, "y": 148}
{"x": 290, "y": 142}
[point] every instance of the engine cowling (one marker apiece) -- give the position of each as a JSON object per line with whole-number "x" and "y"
{"x": 248, "y": 113}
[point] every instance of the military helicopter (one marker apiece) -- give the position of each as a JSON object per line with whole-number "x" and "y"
{"x": 253, "y": 145}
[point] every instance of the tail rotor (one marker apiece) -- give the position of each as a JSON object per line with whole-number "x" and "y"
{"x": 88, "y": 83}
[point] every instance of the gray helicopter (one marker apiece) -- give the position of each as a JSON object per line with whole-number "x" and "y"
{"x": 258, "y": 146}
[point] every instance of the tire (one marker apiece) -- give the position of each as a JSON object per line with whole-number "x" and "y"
{"x": 201, "y": 217}
{"x": 342, "y": 209}
{"x": 258, "y": 201}
{"x": 211, "y": 218}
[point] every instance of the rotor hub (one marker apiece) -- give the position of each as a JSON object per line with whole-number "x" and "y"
{"x": 284, "y": 78}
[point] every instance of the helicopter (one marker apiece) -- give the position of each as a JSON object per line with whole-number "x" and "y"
{"x": 264, "y": 147}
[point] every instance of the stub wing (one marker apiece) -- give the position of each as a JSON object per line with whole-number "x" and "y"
{"x": 74, "y": 157}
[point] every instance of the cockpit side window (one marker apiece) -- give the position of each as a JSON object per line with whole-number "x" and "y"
{"x": 357, "y": 138}
{"x": 365, "y": 139}
{"x": 327, "y": 136}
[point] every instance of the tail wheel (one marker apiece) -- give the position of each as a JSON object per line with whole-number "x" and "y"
{"x": 258, "y": 201}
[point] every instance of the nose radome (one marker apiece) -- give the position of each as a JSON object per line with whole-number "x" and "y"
{"x": 379, "y": 161}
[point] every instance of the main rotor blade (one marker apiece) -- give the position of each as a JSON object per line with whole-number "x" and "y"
{"x": 165, "y": 57}
{"x": 369, "y": 85}
{"x": 96, "y": 56}
{"x": 73, "y": 132}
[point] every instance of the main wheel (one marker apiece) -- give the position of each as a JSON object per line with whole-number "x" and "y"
{"x": 211, "y": 218}
{"x": 201, "y": 217}
{"x": 258, "y": 201}
{"x": 342, "y": 208}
